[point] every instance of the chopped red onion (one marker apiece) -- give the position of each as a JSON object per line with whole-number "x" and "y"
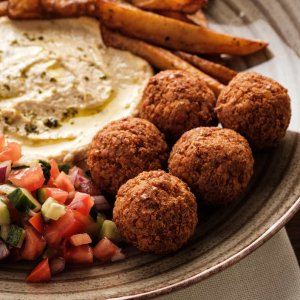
{"x": 57, "y": 265}
{"x": 31, "y": 213}
{"x": 101, "y": 204}
{"x": 73, "y": 172}
{"x": 76, "y": 176}
{"x": 5, "y": 168}
{"x": 4, "y": 252}
{"x": 118, "y": 256}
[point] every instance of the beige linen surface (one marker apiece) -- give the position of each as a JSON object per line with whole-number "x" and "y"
{"x": 270, "y": 273}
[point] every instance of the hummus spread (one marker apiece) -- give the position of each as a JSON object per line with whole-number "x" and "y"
{"x": 59, "y": 85}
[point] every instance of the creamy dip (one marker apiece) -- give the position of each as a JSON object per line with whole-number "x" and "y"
{"x": 59, "y": 85}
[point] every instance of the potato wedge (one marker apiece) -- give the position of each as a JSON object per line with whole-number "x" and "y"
{"x": 175, "y": 15}
{"x": 198, "y": 18}
{"x": 24, "y": 9}
{"x": 35, "y": 9}
{"x": 157, "y": 57}
{"x": 187, "y": 6}
{"x": 3, "y": 8}
{"x": 172, "y": 33}
{"x": 215, "y": 70}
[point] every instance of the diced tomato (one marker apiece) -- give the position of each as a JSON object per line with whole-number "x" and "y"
{"x": 58, "y": 194}
{"x": 82, "y": 203}
{"x": 30, "y": 178}
{"x": 50, "y": 182}
{"x": 52, "y": 236}
{"x": 41, "y": 273}
{"x": 79, "y": 255}
{"x": 91, "y": 227}
{"x": 54, "y": 171}
{"x": 105, "y": 250}
{"x": 37, "y": 222}
{"x": 34, "y": 244}
{"x": 12, "y": 152}
{"x": 64, "y": 227}
{"x": 63, "y": 182}
{"x": 80, "y": 239}
{"x": 2, "y": 141}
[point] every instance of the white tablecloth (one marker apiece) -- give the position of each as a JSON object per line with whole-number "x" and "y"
{"x": 270, "y": 273}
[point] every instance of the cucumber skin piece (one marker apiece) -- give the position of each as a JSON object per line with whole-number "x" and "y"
{"x": 41, "y": 195}
{"x": 23, "y": 201}
{"x": 15, "y": 236}
{"x": 4, "y": 214}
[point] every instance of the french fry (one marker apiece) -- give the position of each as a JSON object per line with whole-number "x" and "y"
{"x": 187, "y": 6}
{"x": 172, "y": 33}
{"x": 36, "y": 9}
{"x": 215, "y": 70}
{"x": 3, "y": 8}
{"x": 198, "y": 18}
{"x": 158, "y": 57}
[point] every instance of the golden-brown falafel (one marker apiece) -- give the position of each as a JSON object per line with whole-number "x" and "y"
{"x": 123, "y": 149}
{"x": 216, "y": 163}
{"x": 156, "y": 212}
{"x": 177, "y": 101}
{"x": 257, "y": 107}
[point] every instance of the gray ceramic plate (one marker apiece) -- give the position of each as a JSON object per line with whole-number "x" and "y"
{"x": 224, "y": 235}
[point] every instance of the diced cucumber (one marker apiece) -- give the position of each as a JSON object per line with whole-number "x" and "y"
{"x": 100, "y": 220}
{"x": 6, "y": 188}
{"x": 4, "y": 232}
{"x": 110, "y": 231}
{"x": 23, "y": 201}
{"x": 16, "y": 236}
{"x": 53, "y": 210}
{"x": 4, "y": 214}
{"x": 41, "y": 195}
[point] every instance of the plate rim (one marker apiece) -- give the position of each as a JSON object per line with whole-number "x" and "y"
{"x": 258, "y": 242}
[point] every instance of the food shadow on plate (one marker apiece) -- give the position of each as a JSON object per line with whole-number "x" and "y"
{"x": 244, "y": 63}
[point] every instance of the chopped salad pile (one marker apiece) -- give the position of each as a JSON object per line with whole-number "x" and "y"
{"x": 53, "y": 214}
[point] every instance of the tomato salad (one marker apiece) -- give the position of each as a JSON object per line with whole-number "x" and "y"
{"x": 52, "y": 214}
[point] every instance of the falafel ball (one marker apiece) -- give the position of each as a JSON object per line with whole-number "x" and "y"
{"x": 216, "y": 163}
{"x": 156, "y": 212}
{"x": 257, "y": 107}
{"x": 177, "y": 101}
{"x": 123, "y": 149}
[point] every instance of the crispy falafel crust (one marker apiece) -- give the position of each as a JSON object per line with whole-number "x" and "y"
{"x": 216, "y": 163}
{"x": 156, "y": 212}
{"x": 123, "y": 149}
{"x": 177, "y": 101}
{"x": 257, "y": 107}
